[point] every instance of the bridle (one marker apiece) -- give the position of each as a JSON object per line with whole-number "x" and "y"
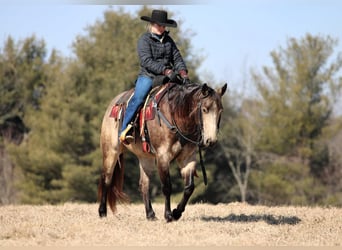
{"x": 199, "y": 130}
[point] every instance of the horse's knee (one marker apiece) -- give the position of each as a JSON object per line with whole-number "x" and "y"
{"x": 167, "y": 189}
{"x": 167, "y": 186}
{"x": 144, "y": 183}
{"x": 189, "y": 189}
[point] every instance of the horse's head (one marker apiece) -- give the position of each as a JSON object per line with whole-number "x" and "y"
{"x": 210, "y": 113}
{"x": 196, "y": 111}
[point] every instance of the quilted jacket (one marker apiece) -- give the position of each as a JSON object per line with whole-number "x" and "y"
{"x": 156, "y": 54}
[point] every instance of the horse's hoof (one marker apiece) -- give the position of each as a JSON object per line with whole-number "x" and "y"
{"x": 168, "y": 217}
{"x": 151, "y": 216}
{"x": 102, "y": 212}
{"x": 103, "y": 215}
{"x": 176, "y": 214}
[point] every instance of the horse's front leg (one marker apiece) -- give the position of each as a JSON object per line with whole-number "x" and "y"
{"x": 164, "y": 175}
{"x": 188, "y": 170}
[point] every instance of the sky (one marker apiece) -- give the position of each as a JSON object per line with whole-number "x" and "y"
{"x": 232, "y": 35}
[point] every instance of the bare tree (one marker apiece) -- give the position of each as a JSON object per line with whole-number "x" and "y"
{"x": 242, "y": 155}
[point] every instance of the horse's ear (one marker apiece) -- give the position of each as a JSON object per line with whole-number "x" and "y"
{"x": 222, "y": 90}
{"x": 205, "y": 89}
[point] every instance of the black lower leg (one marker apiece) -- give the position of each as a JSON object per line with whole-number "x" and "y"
{"x": 167, "y": 189}
{"x": 103, "y": 202}
{"x": 188, "y": 190}
{"x": 150, "y": 215}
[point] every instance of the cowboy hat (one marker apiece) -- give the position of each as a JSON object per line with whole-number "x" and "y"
{"x": 160, "y": 17}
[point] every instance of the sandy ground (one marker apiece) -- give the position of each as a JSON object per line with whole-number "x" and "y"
{"x": 234, "y": 224}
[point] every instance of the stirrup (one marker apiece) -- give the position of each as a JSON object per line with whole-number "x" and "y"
{"x": 124, "y": 137}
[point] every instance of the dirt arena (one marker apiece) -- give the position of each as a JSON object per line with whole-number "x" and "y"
{"x": 234, "y": 224}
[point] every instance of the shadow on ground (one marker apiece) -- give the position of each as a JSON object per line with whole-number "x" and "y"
{"x": 269, "y": 219}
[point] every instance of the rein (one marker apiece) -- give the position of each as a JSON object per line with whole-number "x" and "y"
{"x": 176, "y": 129}
{"x": 198, "y": 143}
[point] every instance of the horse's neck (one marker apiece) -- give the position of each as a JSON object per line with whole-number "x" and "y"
{"x": 184, "y": 110}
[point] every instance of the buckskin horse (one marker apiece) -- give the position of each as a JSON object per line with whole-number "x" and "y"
{"x": 174, "y": 124}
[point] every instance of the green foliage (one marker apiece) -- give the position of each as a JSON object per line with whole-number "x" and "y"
{"x": 22, "y": 77}
{"x": 298, "y": 94}
{"x": 107, "y": 57}
{"x": 286, "y": 119}
{"x": 286, "y": 183}
{"x": 326, "y": 160}
{"x": 37, "y": 156}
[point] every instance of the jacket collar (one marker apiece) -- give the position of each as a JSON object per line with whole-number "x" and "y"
{"x": 160, "y": 38}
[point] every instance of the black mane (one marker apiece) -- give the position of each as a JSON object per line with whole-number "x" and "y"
{"x": 183, "y": 99}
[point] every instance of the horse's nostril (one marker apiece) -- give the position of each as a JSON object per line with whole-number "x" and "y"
{"x": 210, "y": 142}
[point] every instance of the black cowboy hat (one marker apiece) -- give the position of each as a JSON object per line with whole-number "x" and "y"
{"x": 160, "y": 17}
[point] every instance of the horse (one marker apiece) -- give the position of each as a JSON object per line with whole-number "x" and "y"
{"x": 186, "y": 119}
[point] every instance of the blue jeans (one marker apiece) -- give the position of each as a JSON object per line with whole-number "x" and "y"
{"x": 142, "y": 88}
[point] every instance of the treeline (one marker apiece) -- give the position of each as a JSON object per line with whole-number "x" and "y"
{"x": 280, "y": 146}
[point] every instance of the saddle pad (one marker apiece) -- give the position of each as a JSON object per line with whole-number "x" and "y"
{"x": 149, "y": 112}
{"x": 116, "y": 110}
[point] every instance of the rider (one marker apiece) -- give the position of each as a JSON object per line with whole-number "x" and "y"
{"x": 158, "y": 55}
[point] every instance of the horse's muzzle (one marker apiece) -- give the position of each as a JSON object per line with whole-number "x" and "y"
{"x": 208, "y": 142}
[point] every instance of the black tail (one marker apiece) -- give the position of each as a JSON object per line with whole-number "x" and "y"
{"x": 115, "y": 189}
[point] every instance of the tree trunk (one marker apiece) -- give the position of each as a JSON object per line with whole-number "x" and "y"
{"x": 7, "y": 190}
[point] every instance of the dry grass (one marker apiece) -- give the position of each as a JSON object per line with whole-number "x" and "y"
{"x": 232, "y": 224}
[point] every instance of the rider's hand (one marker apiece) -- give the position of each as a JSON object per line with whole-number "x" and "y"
{"x": 184, "y": 75}
{"x": 186, "y": 81}
{"x": 171, "y": 75}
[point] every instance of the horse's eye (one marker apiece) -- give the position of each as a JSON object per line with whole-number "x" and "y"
{"x": 205, "y": 110}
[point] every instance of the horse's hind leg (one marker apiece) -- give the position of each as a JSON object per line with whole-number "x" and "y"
{"x": 188, "y": 170}
{"x": 103, "y": 197}
{"x": 110, "y": 158}
{"x": 146, "y": 166}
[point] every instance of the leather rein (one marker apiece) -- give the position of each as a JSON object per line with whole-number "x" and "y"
{"x": 199, "y": 128}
